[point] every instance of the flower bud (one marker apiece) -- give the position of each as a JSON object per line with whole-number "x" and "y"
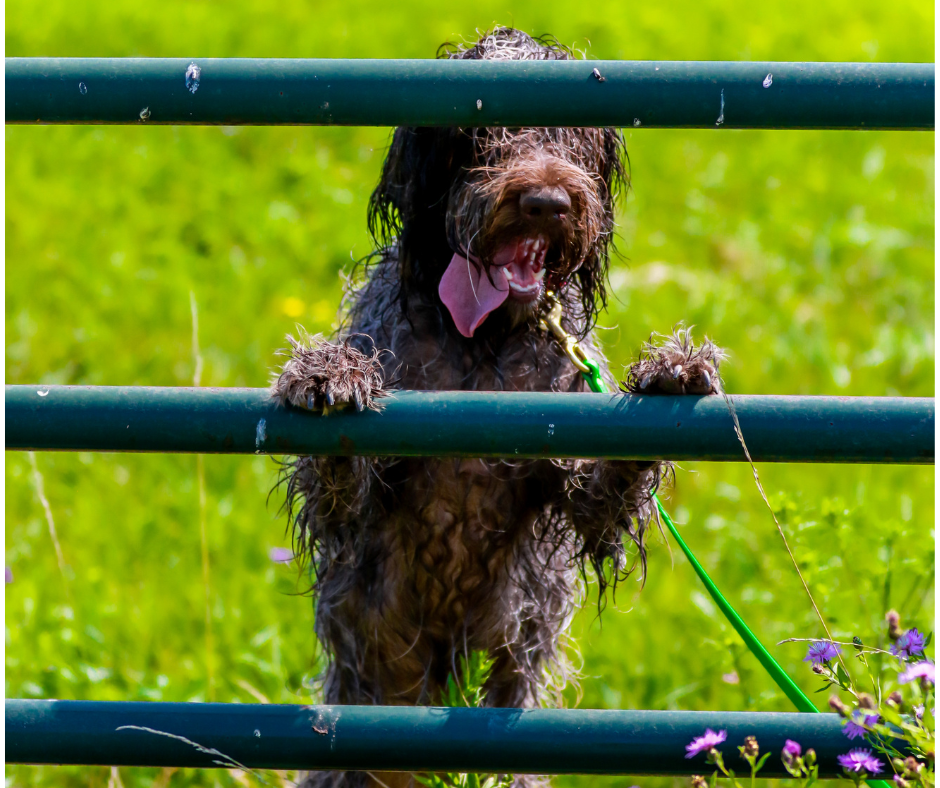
{"x": 900, "y": 782}
{"x": 810, "y": 757}
{"x": 698, "y": 781}
{"x": 894, "y": 624}
{"x": 819, "y": 670}
{"x": 912, "y": 766}
{"x": 750, "y": 746}
{"x": 896, "y": 698}
{"x": 837, "y": 705}
{"x": 866, "y": 701}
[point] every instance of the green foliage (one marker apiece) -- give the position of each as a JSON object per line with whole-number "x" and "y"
{"x": 896, "y": 716}
{"x": 809, "y": 255}
{"x": 465, "y": 690}
{"x": 894, "y": 721}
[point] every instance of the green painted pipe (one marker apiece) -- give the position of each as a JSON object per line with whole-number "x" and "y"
{"x": 473, "y": 424}
{"x": 397, "y": 738}
{"x": 649, "y": 94}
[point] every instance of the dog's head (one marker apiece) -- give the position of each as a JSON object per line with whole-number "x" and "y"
{"x": 489, "y": 219}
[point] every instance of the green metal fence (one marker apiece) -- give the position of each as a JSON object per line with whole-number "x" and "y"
{"x": 394, "y": 738}
{"x": 665, "y": 94}
{"x": 578, "y": 93}
{"x": 474, "y": 424}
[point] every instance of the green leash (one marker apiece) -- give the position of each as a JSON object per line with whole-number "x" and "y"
{"x": 789, "y": 687}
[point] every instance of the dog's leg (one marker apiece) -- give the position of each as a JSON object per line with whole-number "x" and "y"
{"x": 610, "y": 500}
{"x": 326, "y": 495}
{"x": 676, "y": 366}
{"x": 607, "y": 502}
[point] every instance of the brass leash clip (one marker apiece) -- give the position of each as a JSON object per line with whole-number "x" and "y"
{"x": 551, "y": 322}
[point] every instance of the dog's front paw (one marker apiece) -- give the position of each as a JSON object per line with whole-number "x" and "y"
{"x": 676, "y": 366}
{"x": 324, "y": 376}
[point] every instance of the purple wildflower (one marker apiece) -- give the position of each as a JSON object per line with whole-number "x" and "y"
{"x": 281, "y": 555}
{"x": 853, "y": 727}
{"x": 919, "y": 670}
{"x": 909, "y": 644}
{"x": 706, "y": 742}
{"x": 8, "y": 574}
{"x": 822, "y": 651}
{"x": 860, "y": 761}
{"x": 792, "y": 749}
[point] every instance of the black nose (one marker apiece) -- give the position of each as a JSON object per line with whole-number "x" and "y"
{"x": 545, "y": 204}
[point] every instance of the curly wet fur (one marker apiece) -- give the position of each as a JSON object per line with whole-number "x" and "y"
{"x": 416, "y": 561}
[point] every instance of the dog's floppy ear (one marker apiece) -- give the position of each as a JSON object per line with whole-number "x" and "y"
{"x": 612, "y": 165}
{"x": 409, "y": 206}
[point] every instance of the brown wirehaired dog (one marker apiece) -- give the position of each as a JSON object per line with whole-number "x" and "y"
{"x": 418, "y": 561}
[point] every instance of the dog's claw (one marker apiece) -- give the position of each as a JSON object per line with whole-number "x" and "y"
{"x": 330, "y": 399}
{"x": 645, "y": 382}
{"x": 311, "y": 402}
{"x": 708, "y": 380}
{"x": 676, "y": 371}
{"x": 357, "y": 396}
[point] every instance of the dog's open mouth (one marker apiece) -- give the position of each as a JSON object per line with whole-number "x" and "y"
{"x": 522, "y": 263}
{"x": 470, "y": 292}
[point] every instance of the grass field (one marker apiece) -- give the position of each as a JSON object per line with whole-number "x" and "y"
{"x": 809, "y": 255}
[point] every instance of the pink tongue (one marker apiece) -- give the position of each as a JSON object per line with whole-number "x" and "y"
{"x": 469, "y": 295}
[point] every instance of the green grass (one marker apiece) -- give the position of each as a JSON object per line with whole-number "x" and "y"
{"x": 809, "y": 255}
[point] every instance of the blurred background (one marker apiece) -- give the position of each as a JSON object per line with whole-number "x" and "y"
{"x": 808, "y": 255}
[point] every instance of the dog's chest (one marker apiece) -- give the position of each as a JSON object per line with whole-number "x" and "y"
{"x": 463, "y": 524}
{"x": 527, "y": 360}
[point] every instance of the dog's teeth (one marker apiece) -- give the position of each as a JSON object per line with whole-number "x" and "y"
{"x": 539, "y": 275}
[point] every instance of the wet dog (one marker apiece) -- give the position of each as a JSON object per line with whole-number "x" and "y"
{"x": 419, "y": 561}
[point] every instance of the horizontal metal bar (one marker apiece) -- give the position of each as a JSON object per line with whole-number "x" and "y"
{"x": 473, "y": 424}
{"x": 646, "y": 94}
{"x": 396, "y": 738}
